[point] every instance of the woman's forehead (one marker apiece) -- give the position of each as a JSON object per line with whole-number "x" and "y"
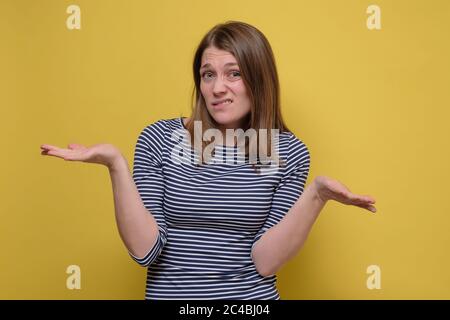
{"x": 219, "y": 57}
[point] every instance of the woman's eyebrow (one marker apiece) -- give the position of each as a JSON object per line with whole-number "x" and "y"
{"x": 226, "y": 64}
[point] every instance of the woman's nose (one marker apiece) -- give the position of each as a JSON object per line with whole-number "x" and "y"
{"x": 219, "y": 85}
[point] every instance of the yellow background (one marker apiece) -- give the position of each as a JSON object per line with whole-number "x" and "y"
{"x": 372, "y": 107}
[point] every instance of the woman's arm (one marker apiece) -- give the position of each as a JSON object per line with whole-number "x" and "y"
{"x": 137, "y": 227}
{"x": 281, "y": 242}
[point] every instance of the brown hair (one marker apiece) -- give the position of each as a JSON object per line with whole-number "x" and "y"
{"x": 257, "y": 66}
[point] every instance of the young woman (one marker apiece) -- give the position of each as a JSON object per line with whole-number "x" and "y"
{"x": 208, "y": 228}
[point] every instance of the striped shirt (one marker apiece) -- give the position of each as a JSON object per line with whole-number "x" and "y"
{"x": 210, "y": 216}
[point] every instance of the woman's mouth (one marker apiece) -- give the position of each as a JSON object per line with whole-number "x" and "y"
{"x": 222, "y": 103}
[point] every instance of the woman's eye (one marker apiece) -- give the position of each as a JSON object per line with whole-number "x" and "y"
{"x": 209, "y": 74}
{"x": 206, "y": 74}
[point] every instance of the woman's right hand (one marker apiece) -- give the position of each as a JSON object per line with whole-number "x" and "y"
{"x": 103, "y": 153}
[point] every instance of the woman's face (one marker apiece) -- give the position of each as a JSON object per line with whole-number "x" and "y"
{"x": 221, "y": 80}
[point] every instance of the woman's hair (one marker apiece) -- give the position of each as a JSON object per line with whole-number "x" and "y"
{"x": 255, "y": 58}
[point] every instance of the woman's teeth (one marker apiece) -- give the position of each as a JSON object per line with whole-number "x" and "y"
{"x": 224, "y": 103}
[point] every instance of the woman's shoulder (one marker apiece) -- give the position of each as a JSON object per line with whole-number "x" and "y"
{"x": 159, "y": 131}
{"x": 166, "y": 123}
{"x": 290, "y": 142}
{"x": 163, "y": 126}
{"x": 293, "y": 149}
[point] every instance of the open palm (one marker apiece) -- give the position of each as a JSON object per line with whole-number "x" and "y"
{"x": 103, "y": 153}
{"x": 330, "y": 189}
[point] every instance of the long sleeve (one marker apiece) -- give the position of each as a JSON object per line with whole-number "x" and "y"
{"x": 149, "y": 180}
{"x": 291, "y": 185}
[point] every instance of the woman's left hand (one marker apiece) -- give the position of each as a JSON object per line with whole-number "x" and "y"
{"x": 330, "y": 189}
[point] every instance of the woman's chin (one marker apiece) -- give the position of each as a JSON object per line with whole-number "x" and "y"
{"x": 224, "y": 121}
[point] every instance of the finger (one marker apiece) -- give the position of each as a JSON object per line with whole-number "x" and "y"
{"x": 48, "y": 147}
{"x": 76, "y": 146}
{"x": 369, "y": 199}
{"x": 372, "y": 209}
{"x": 355, "y": 200}
{"x": 368, "y": 207}
{"x": 361, "y": 198}
{"x": 52, "y": 153}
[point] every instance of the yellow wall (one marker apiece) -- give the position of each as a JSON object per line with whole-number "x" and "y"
{"x": 371, "y": 105}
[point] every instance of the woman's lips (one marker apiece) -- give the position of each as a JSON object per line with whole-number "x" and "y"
{"x": 222, "y": 105}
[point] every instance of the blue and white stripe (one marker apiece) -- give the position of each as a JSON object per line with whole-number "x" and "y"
{"x": 210, "y": 216}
